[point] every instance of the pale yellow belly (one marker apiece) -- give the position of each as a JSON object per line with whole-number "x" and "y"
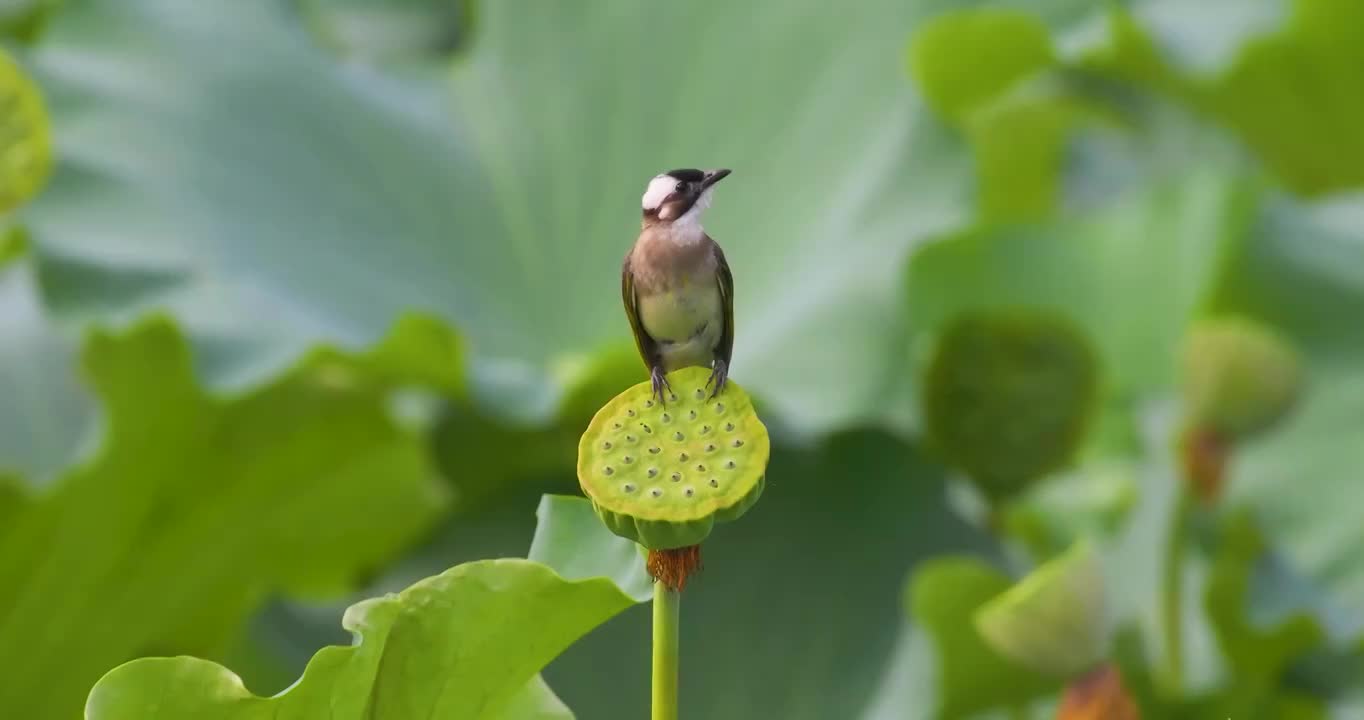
{"x": 686, "y": 322}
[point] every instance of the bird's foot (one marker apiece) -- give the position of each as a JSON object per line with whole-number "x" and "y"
{"x": 659, "y": 379}
{"x": 719, "y": 372}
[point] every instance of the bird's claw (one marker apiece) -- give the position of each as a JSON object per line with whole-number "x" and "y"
{"x": 659, "y": 379}
{"x": 719, "y": 372}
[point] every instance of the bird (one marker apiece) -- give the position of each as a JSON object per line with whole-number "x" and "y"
{"x": 676, "y": 283}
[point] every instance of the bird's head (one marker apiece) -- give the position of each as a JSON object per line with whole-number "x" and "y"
{"x": 679, "y": 194}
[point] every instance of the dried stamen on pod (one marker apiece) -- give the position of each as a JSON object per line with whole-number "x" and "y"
{"x": 669, "y": 502}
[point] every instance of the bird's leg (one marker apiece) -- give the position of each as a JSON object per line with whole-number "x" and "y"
{"x": 719, "y": 372}
{"x": 660, "y": 382}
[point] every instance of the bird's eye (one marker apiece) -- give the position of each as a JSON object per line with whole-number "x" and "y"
{"x": 680, "y": 187}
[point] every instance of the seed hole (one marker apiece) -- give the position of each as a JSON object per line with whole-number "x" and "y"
{"x": 667, "y": 418}
{"x": 700, "y": 468}
{"x": 729, "y": 465}
{"x": 648, "y": 403}
{"x": 678, "y": 436}
{"x": 653, "y": 472}
{"x": 714, "y": 482}
{"x": 646, "y": 428}
{"x": 700, "y": 393}
{"x": 719, "y": 407}
{"x": 608, "y": 470}
{"x": 672, "y": 397}
{"x": 710, "y": 448}
{"x": 616, "y": 426}
{"x": 729, "y": 427}
{"x": 705, "y": 429}
{"x": 607, "y": 445}
{"x": 691, "y": 415}
{"x": 689, "y": 492}
{"x": 656, "y": 492}
{"x": 630, "y": 412}
{"x": 738, "y": 443}
{"x": 630, "y": 438}
{"x": 677, "y": 477}
{"x": 683, "y": 457}
{"x": 655, "y": 450}
{"x": 627, "y": 487}
{"x": 627, "y": 459}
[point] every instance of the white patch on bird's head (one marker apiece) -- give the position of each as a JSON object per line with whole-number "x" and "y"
{"x": 659, "y": 189}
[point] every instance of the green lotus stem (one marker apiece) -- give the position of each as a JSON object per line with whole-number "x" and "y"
{"x": 667, "y": 604}
{"x": 1172, "y": 606}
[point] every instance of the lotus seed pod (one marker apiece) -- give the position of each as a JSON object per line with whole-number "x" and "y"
{"x": 1008, "y": 397}
{"x": 1239, "y": 377}
{"x": 25, "y": 142}
{"x": 1051, "y": 621}
{"x": 664, "y": 474}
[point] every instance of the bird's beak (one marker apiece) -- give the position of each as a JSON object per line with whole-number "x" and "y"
{"x": 712, "y": 177}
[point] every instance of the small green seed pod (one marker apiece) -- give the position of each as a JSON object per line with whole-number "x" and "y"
{"x": 695, "y": 461}
{"x": 1052, "y": 621}
{"x": 25, "y": 142}
{"x": 1239, "y": 377}
{"x": 1008, "y": 396}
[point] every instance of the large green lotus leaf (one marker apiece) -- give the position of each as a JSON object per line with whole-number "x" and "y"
{"x": 797, "y": 610}
{"x": 1291, "y": 95}
{"x": 46, "y": 412}
{"x": 217, "y": 163}
{"x": 464, "y": 644}
{"x": 192, "y": 510}
{"x": 1099, "y": 270}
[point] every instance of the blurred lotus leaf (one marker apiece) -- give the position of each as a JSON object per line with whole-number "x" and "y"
{"x": 193, "y": 509}
{"x": 467, "y": 643}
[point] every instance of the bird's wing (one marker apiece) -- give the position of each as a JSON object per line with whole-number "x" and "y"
{"x": 726, "y": 281}
{"x": 648, "y": 349}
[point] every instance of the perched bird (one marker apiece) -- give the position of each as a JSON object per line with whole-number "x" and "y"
{"x": 676, "y": 283}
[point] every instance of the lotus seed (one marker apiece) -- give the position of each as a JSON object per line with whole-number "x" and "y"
{"x": 710, "y": 448}
{"x": 689, "y": 492}
{"x": 705, "y": 429}
{"x": 729, "y": 427}
{"x": 606, "y": 445}
{"x": 700, "y": 393}
{"x": 729, "y": 465}
{"x": 719, "y": 407}
{"x": 628, "y": 487}
{"x": 667, "y": 418}
{"x": 653, "y": 472}
{"x": 616, "y": 426}
{"x": 677, "y": 477}
{"x": 691, "y": 415}
{"x": 683, "y": 457}
{"x": 630, "y": 412}
{"x": 608, "y": 470}
{"x": 630, "y": 438}
{"x": 648, "y": 403}
{"x": 738, "y": 443}
{"x": 656, "y": 492}
{"x": 646, "y": 428}
{"x": 714, "y": 483}
{"x": 678, "y": 436}
{"x": 655, "y": 450}
{"x": 672, "y": 397}
{"x": 700, "y": 468}
{"x": 627, "y": 459}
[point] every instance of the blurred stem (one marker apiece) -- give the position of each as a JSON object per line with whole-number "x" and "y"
{"x": 667, "y": 604}
{"x": 1172, "y": 609}
{"x": 1019, "y": 712}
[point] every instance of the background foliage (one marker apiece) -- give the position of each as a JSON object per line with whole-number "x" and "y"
{"x": 313, "y": 298}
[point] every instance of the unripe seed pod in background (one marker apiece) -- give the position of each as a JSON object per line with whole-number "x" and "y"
{"x": 1052, "y": 621}
{"x": 1239, "y": 377}
{"x": 1008, "y": 396}
{"x": 663, "y": 475}
{"x": 25, "y": 141}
